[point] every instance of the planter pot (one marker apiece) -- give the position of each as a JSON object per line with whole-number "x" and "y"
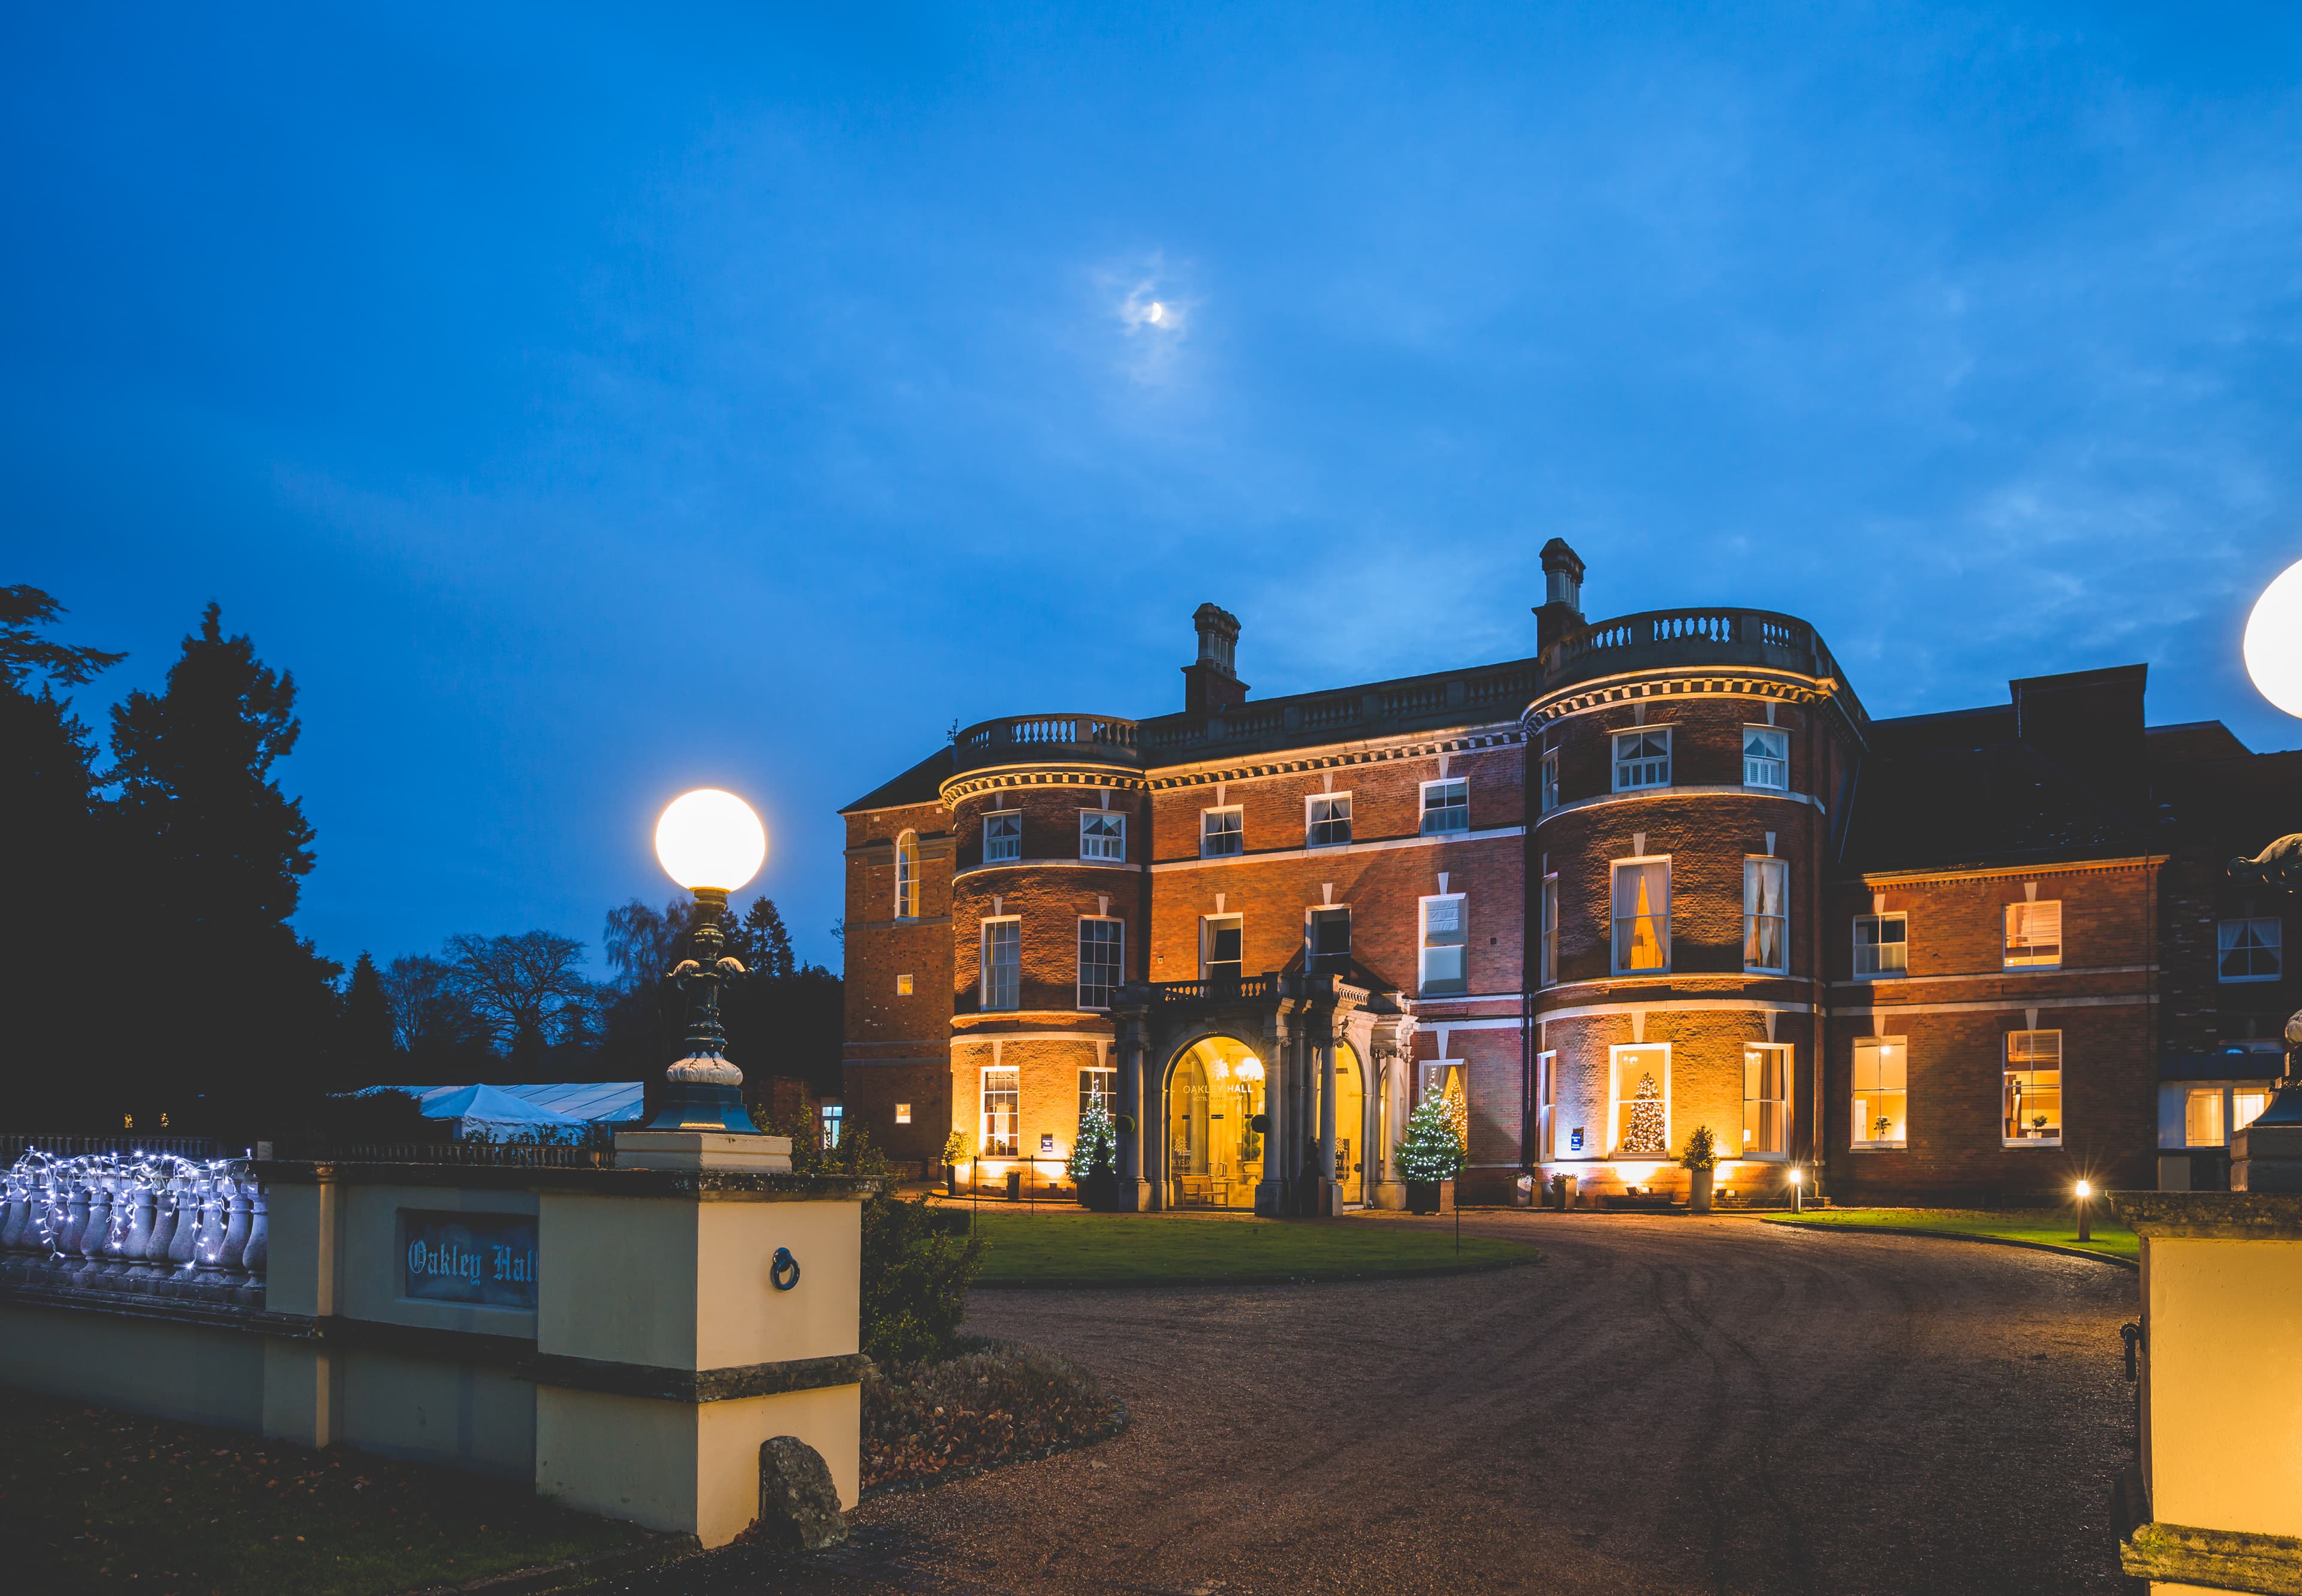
{"x": 1099, "y": 1192}
{"x": 1700, "y": 1190}
{"x": 951, "y": 1179}
{"x": 1430, "y": 1197}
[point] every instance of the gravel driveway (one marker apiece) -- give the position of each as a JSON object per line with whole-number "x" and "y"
{"x": 1664, "y": 1405}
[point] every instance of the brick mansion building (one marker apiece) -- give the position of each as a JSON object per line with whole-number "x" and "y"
{"x": 1668, "y": 857}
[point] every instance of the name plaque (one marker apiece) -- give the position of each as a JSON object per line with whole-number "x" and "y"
{"x": 481, "y": 1260}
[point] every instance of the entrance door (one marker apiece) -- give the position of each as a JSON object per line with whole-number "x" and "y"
{"x": 1351, "y": 1151}
{"x": 1214, "y": 1154}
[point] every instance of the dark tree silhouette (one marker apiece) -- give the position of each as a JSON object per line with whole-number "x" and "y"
{"x": 364, "y": 1051}
{"x": 433, "y": 1027}
{"x": 528, "y": 991}
{"x": 770, "y": 943}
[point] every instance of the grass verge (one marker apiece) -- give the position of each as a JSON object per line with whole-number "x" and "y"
{"x": 1101, "y": 1249}
{"x": 2055, "y": 1227}
{"x": 98, "y": 1501}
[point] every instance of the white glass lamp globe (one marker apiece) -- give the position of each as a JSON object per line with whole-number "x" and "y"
{"x": 711, "y": 839}
{"x": 2274, "y": 641}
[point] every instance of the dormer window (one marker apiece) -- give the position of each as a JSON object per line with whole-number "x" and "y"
{"x": 1642, "y": 759}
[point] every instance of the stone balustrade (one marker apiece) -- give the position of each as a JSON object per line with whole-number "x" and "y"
{"x": 135, "y": 1224}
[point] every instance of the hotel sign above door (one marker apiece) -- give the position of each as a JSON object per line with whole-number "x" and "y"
{"x": 483, "y": 1260}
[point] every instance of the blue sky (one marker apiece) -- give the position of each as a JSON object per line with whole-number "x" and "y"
{"x": 590, "y": 404}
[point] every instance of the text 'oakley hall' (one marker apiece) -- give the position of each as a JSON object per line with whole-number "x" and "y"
{"x": 1669, "y": 857}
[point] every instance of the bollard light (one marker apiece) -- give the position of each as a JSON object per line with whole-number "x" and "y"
{"x": 2085, "y": 1190}
{"x": 1798, "y": 1189}
{"x": 710, "y": 843}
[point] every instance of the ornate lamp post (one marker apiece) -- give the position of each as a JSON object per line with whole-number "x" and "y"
{"x": 711, "y": 844}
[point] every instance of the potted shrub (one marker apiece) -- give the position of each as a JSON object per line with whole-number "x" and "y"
{"x": 1431, "y": 1153}
{"x": 1701, "y": 1160}
{"x": 954, "y": 1148}
{"x": 1094, "y": 1165}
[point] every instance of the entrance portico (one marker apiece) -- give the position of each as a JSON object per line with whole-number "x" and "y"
{"x": 1284, "y": 1093}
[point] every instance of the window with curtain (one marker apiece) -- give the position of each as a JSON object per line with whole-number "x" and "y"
{"x": 1222, "y": 831}
{"x": 1446, "y": 944}
{"x": 1881, "y": 1092}
{"x": 2034, "y": 1088}
{"x": 1219, "y": 936}
{"x": 1003, "y": 963}
{"x": 1766, "y": 914}
{"x": 1641, "y": 916}
{"x": 907, "y": 876}
{"x": 1102, "y": 835}
{"x": 1002, "y": 1104}
{"x": 2248, "y": 950}
{"x": 1766, "y": 1099}
{"x": 1327, "y": 821}
{"x": 1766, "y": 759}
{"x": 1003, "y": 836}
{"x": 1642, "y": 759}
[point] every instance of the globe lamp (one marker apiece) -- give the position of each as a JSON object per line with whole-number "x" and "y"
{"x": 710, "y": 843}
{"x": 2274, "y": 641}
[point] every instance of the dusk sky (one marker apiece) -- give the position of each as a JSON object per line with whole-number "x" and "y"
{"x": 586, "y": 405}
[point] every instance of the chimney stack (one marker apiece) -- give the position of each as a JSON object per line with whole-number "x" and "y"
{"x": 1211, "y": 683}
{"x": 1562, "y": 593}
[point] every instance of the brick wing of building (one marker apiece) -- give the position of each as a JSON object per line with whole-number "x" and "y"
{"x": 1665, "y": 873}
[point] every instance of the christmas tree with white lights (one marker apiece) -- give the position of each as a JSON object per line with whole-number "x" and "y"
{"x": 1642, "y": 1128}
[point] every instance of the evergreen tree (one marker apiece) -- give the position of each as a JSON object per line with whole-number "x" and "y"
{"x": 1432, "y": 1149}
{"x": 228, "y": 1022}
{"x": 1642, "y": 1131}
{"x": 767, "y": 941}
{"x": 366, "y": 1053}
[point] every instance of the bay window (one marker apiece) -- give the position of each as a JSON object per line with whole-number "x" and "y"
{"x": 1002, "y": 1112}
{"x": 1766, "y": 914}
{"x": 1642, "y": 759}
{"x": 1002, "y": 963}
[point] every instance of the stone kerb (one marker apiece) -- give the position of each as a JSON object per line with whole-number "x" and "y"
{"x": 2221, "y": 1492}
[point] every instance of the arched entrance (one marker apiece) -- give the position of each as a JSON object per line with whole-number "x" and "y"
{"x": 1214, "y": 1154}
{"x": 1350, "y": 1124}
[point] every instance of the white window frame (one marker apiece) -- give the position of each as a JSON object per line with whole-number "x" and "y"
{"x": 1446, "y": 809}
{"x": 1311, "y": 826}
{"x": 1614, "y": 942}
{"x": 1546, "y": 1105}
{"x": 1547, "y": 969}
{"x": 1120, "y": 980}
{"x": 1863, "y": 1138}
{"x": 1617, "y": 1096}
{"x": 1756, "y": 764}
{"x": 1099, "y": 1083}
{"x": 1311, "y": 952}
{"x": 1878, "y": 945}
{"x": 1547, "y": 778}
{"x": 1423, "y": 983}
{"x": 1755, "y": 865}
{"x": 983, "y": 975}
{"x": 2019, "y": 1117}
{"x": 1786, "y": 1058}
{"x": 1099, "y": 850}
{"x": 1209, "y": 924}
{"x": 833, "y": 1117}
{"x": 2215, "y": 1097}
{"x": 907, "y": 876}
{"x": 1011, "y": 848}
{"x": 2025, "y": 913}
{"x": 1236, "y": 834}
{"x": 1648, "y": 772}
{"x": 2274, "y": 946}
{"x": 986, "y": 1124}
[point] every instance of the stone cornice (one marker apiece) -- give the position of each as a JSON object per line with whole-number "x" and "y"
{"x": 1294, "y": 762}
{"x": 1061, "y": 775}
{"x": 1684, "y": 681}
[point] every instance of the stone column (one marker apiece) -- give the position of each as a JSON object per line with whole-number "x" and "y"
{"x": 1134, "y": 1017}
{"x": 1326, "y": 1195}
{"x": 1270, "y": 1192}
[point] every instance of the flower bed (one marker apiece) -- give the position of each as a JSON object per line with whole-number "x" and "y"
{"x": 995, "y": 1402}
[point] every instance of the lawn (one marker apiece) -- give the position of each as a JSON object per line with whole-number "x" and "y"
{"x": 2058, "y": 1226}
{"x": 99, "y": 1501}
{"x": 1052, "y": 1249}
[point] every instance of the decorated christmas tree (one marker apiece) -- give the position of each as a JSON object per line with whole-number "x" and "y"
{"x": 1643, "y": 1130}
{"x": 1096, "y": 1150}
{"x": 1433, "y": 1148}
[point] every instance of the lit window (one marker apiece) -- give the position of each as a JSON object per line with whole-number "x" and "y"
{"x": 1003, "y": 836}
{"x": 1219, "y": 947}
{"x": 1550, "y": 931}
{"x": 1099, "y": 1088}
{"x": 902, "y": 985}
{"x": 1445, "y": 948}
{"x": 1642, "y": 759}
{"x": 1766, "y": 914}
{"x": 1881, "y": 1092}
{"x": 1642, "y": 915}
{"x": 1002, "y": 1103}
{"x": 831, "y": 1112}
{"x": 1446, "y": 807}
{"x": 1003, "y": 963}
{"x": 2034, "y": 934}
{"x": 1222, "y": 831}
{"x": 907, "y": 876}
{"x": 1881, "y": 945}
{"x": 2249, "y": 950}
{"x": 1549, "y": 781}
{"x": 2202, "y": 1117}
{"x": 1766, "y": 1099}
{"x": 1328, "y": 819}
{"x": 2246, "y": 1107}
{"x": 1641, "y": 1107}
{"x": 1329, "y": 941}
{"x": 2034, "y": 1088}
{"x": 1101, "y": 944}
{"x": 1546, "y": 1077}
{"x": 1766, "y": 759}
{"x": 1102, "y": 835}
{"x": 903, "y": 1113}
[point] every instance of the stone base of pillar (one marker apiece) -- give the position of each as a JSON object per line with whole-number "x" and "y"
{"x": 2266, "y": 1158}
{"x": 1134, "y": 1196}
{"x": 1271, "y": 1199}
{"x": 703, "y": 1150}
{"x": 1327, "y": 1199}
{"x": 1390, "y": 1194}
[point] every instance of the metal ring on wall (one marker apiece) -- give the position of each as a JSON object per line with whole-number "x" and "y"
{"x": 784, "y": 1273}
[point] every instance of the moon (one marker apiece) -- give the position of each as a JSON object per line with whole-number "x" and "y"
{"x": 2274, "y": 641}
